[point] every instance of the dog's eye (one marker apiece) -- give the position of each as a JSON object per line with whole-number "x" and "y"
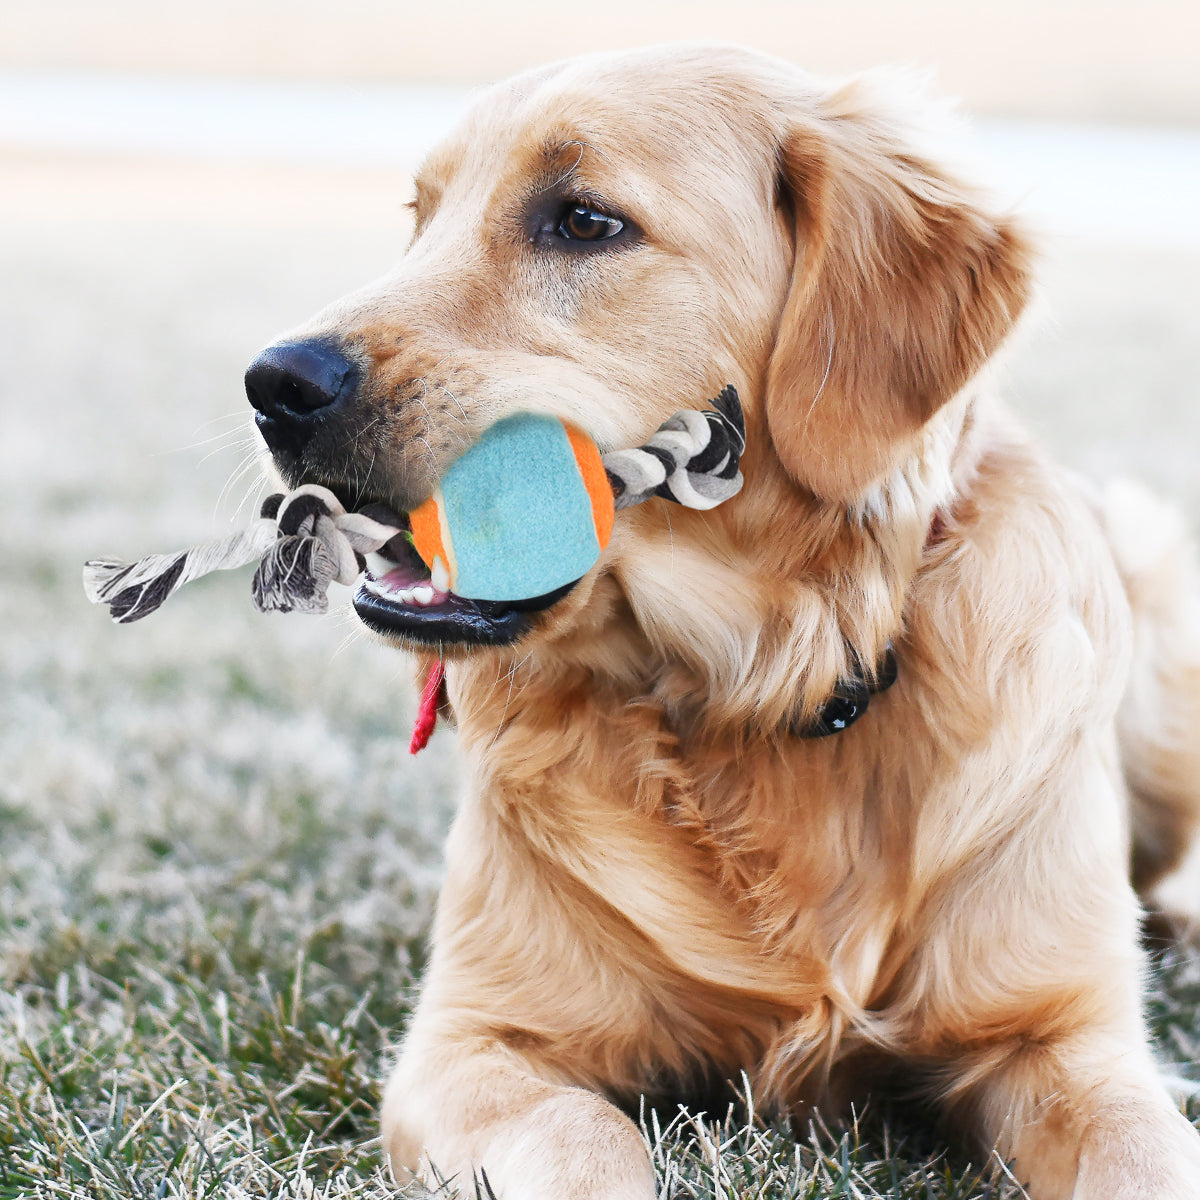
{"x": 582, "y": 224}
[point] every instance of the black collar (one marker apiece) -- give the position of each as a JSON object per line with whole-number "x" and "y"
{"x": 849, "y": 700}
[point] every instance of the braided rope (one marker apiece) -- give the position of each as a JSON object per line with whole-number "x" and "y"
{"x": 692, "y": 459}
{"x": 306, "y": 540}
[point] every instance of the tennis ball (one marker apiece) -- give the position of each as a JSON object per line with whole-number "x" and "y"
{"x": 527, "y": 509}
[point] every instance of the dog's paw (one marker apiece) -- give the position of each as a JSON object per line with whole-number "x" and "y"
{"x": 1139, "y": 1152}
{"x": 574, "y": 1144}
{"x": 545, "y": 1143}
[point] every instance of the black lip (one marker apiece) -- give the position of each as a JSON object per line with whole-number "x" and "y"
{"x": 457, "y": 622}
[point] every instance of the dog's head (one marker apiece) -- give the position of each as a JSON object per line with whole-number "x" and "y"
{"x": 616, "y": 238}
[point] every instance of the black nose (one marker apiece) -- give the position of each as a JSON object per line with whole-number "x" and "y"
{"x": 294, "y": 386}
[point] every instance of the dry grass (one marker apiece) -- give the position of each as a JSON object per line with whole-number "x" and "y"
{"x": 218, "y": 858}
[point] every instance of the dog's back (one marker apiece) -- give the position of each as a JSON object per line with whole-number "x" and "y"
{"x": 1159, "y": 720}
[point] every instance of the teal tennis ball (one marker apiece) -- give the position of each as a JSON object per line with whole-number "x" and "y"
{"x": 527, "y": 509}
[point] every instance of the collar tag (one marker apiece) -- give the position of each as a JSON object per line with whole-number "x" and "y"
{"x": 427, "y": 710}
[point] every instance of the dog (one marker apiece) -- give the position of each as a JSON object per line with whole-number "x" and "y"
{"x": 659, "y": 875}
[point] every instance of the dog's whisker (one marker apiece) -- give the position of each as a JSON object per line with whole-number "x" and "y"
{"x": 248, "y": 460}
{"x": 429, "y": 453}
{"x": 511, "y": 674}
{"x": 234, "y": 415}
{"x": 248, "y": 464}
{"x": 580, "y": 146}
{"x": 353, "y": 633}
{"x": 462, "y": 412}
{"x": 217, "y": 442}
{"x": 243, "y": 441}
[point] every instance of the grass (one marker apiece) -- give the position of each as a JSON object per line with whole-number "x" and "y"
{"x": 123, "y": 1075}
{"x": 217, "y": 860}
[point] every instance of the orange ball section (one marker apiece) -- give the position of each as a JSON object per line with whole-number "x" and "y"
{"x": 426, "y": 524}
{"x": 595, "y": 480}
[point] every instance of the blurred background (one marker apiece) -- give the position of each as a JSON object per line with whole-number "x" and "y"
{"x": 215, "y": 797}
{"x": 215, "y": 171}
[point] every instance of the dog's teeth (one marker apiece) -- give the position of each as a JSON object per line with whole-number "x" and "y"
{"x": 420, "y": 594}
{"x": 441, "y": 576}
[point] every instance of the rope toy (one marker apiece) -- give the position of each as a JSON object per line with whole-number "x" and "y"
{"x": 527, "y": 503}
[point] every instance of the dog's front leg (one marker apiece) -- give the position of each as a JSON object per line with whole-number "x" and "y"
{"x": 581, "y": 950}
{"x": 464, "y": 1107}
{"x": 531, "y": 992}
{"x": 1089, "y": 1120}
{"x": 1053, "y": 1066}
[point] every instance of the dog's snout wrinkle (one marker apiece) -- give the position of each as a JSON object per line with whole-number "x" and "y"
{"x": 293, "y": 386}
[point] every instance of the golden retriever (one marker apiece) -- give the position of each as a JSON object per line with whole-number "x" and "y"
{"x": 654, "y": 877}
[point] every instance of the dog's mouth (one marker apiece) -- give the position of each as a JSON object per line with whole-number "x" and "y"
{"x": 397, "y": 597}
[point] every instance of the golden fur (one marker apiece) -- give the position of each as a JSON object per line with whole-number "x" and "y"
{"x": 650, "y": 880}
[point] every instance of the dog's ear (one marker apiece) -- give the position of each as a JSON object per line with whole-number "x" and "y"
{"x": 902, "y": 287}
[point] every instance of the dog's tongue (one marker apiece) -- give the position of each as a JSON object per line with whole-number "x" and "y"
{"x": 408, "y": 584}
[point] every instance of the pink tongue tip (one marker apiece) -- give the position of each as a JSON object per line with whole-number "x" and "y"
{"x": 400, "y": 579}
{"x": 403, "y": 579}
